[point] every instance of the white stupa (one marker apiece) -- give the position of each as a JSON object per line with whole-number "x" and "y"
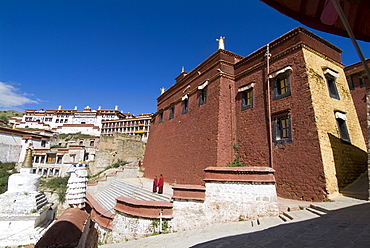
{"x": 22, "y": 206}
{"x": 76, "y": 192}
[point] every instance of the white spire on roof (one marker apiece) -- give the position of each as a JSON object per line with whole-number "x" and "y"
{"x": 221, "y": 43}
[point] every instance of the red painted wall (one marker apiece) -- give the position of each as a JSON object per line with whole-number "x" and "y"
{"x": 183, "y": 147}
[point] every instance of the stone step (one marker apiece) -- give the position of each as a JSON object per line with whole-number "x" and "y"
{"x": 284, "y": 218}
{"x": 316, "y": 211}
{"x": 105, "y": 201}
{"x": 135, "y": 194}
{"x": 41, "y": 202}
{"x": 107, "y": 198}
{"x": 270, "y": 221}
{"x": 117, "y": 188}
{"x": 288, "y": 215}
{"x": 44, "y": 226}
{"x": 319, "y": 208}
{"x": 154, "y": 196}
{"x": 300, "y": 215}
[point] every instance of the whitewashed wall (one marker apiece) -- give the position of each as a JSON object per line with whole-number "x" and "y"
{"x": 10, "y": 147}
{"x": 226, "y": 202}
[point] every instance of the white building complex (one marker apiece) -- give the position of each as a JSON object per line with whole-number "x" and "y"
{"x": 87, "y": 121}
{"x": 53, "y": 155}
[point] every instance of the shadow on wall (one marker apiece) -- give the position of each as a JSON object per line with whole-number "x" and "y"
{"x": 340, "y": 228}
{"x": 350, "y": 161}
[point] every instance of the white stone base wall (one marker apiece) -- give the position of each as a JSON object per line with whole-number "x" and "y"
{"x": 226, "y": 202}
{"x": 188, "y": 214}
{"x": 125, "y": 227}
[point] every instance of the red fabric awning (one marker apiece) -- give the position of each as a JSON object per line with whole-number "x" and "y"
{"x": 321, "y": 15}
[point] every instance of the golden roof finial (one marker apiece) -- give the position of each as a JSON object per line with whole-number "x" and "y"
{"x": 27, "y": 162}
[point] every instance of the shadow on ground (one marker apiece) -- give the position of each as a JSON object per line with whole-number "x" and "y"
{"x": 346, "y": 227}
{"x": 358, "y": 189}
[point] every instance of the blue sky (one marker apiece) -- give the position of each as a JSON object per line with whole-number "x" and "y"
{"x": 120, "y": 52}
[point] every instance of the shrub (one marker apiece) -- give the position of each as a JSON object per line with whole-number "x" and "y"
{"x": 6, "y": 169}
{"x": 235, "y": 163}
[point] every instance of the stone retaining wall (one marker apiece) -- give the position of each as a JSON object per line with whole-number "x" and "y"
{"x": 231, "y": 194}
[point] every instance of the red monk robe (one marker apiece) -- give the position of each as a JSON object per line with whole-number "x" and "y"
{"x": 155, "y": 184}
{"x": 160, "y": 184}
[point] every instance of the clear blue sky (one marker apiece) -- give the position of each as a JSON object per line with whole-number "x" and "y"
{"x": 120, "y": 52}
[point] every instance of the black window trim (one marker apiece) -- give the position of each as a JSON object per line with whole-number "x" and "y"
{"x": 350, "y": 81}
{"x": 185, "y": 104}
{"x": 285, "y": 72}
{"x": 341, "y": 120}
{"x": 244, "y": 90}
{"x": 203, "y": 94}
{"x": 172, "y": 112}
{"x": 276, "y": 130}
{"x": 331, "y": 83}
{"x": 160, "y": 118}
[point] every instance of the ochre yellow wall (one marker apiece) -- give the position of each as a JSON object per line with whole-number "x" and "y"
{"x": 324, "y": 107}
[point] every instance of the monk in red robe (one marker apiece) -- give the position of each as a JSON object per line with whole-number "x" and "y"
{"x": 155, "y": 184}
{"x": 160, "y": 184}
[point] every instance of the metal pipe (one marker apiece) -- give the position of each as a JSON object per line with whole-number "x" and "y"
{"x": 268, "y": 55}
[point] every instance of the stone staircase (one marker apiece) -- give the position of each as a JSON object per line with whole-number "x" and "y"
{"x": 314, "y": 211}
{"x": 107, "y": 197}
{"x": 41, "y": 200}
{"x": 43, "y": 227}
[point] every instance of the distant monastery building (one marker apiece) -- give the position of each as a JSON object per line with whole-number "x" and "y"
{"x": 87, "y": 121}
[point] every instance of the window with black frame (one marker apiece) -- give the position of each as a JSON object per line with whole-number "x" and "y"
{"x": 350, "y": 81}
{"x": 247, "y": 92}
{"x": 185, "y": 105}
{"x": 341, "y": 119}
{"x": 281, "y": 82}
{"x": 282, "y": 129}
{"x": 203, "y": 91}
{"x": 282, "y": 85}
{"x": 172, "y": 113}
{"x": 330, "y": 77}
{"x": 160, "y": 118}
{"x": 202, "y": 96}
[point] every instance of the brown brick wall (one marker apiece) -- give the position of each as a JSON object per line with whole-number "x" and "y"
{"x": 299, "y": 172}
{"x": 359, "y": 99}
{"x": 183, "y": 147}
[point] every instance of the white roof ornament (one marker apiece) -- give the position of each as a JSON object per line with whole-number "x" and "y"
{"x": 246, "y": 87}
{"x": 185, "y": 97}
{"x": 288, "y": 68}
{"x": 221, "y": 43}
{"x": 203, "y": 85}
{"x": 340, "y": 115}
{"x": 331, "y": 73}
